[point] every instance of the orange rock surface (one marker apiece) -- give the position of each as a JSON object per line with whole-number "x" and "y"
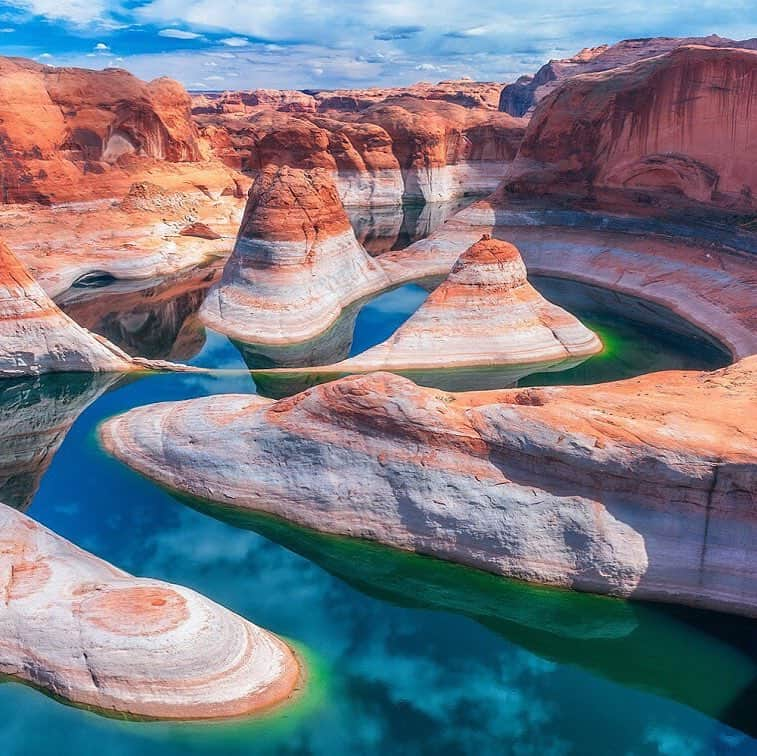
{"x": 63, "y": 128}
{"x": 404, "y": 145}
{"x": 669, "y": 132}
{"x": 296, "y": 263}
{"x": 521, "y": 97}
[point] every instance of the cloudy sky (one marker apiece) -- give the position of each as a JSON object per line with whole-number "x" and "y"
{"x": 217, "y": 44}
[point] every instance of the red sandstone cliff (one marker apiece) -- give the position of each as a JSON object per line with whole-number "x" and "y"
{"x": 401, "y": 147}
{"x": 676, "y": 130}
{"x": 61, "y": 126}
{"x": 522, "y": 96}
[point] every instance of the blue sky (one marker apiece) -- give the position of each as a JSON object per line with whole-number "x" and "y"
{"x": 217, "y": 44}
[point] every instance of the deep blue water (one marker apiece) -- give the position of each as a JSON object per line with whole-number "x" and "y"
{"x": 406, "y": 654}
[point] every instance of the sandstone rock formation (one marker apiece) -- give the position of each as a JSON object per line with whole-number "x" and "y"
{"x": 36, "y": 337}
{"x": 401, "y": 147}
{"x": 648, "y": 134}
{"x": 67, "y": 126}
{"x": 521, "y": 97}
{"x": 643, "y": 488}
{"x": 137, "y": 232}
{"x": 484, "y": 317}
{"x": 86, "y": 632}
{"x": 296, "y": 263}
{"x": 115, "y": 163}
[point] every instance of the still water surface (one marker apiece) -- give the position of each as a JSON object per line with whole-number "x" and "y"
{"x": 406, "y": 654}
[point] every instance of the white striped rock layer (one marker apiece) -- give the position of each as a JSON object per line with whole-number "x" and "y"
{"x": 82, "y": 630}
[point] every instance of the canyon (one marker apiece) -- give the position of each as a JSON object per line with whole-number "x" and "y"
{"x": 261, "y": 222}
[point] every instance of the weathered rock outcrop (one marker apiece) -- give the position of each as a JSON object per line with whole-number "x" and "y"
{"x": 113, "y": 162}
{"x": 137, "y": 233}
{"x": 485, "y": 317}
{"x": 643, "y": 488}
{"x": 402, "y": 147}
{"x": 521, "y": 97}
{"x": 296, "y": 263}
{"x": 673, "y": 131}
{"x": 61, "y": 128}
{"x": 36, "y": 337}
{"x": 86, "y": 632}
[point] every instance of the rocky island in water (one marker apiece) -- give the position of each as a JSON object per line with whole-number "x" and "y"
{"x": 396, "y": 418}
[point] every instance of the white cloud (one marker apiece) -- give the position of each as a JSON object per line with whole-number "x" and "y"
{"x": 101, "y": 46}
{"x": 45, "y": 55}
{"x": 7, "y": 30}
{"x": 178, "y": 34}
{"x": 77, "y": 12}
{"x": 235, "y": 41}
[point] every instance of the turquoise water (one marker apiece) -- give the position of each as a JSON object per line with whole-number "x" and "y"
{"x": 405, "y": 654}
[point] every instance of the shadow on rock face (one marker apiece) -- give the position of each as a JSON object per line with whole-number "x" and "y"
{"x": 671, "y": 652}
{"x": 35, "y": 416}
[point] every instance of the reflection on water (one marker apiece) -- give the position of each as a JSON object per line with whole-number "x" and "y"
{"x": 35, "y": 415}
{"x": 157, "y": 321}
{"x": 409, "y": 655}
{"x": 386, "y": 229}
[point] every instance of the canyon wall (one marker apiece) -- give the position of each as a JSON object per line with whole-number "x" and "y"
{"x": 380, "y": 151}
{"x": 60, "y": 124}
{"x": 522, "y": 96}
{"x": 671, "y": 132}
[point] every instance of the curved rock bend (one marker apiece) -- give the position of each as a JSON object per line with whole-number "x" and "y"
{"x": 485, "y": 317}
{"x": 643, "y": 488}
{"x": 36, "y": 337}
{"x": 669, "y": 133}
{"x": 296, "y": 263}
{"x": 86, "y": 632}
